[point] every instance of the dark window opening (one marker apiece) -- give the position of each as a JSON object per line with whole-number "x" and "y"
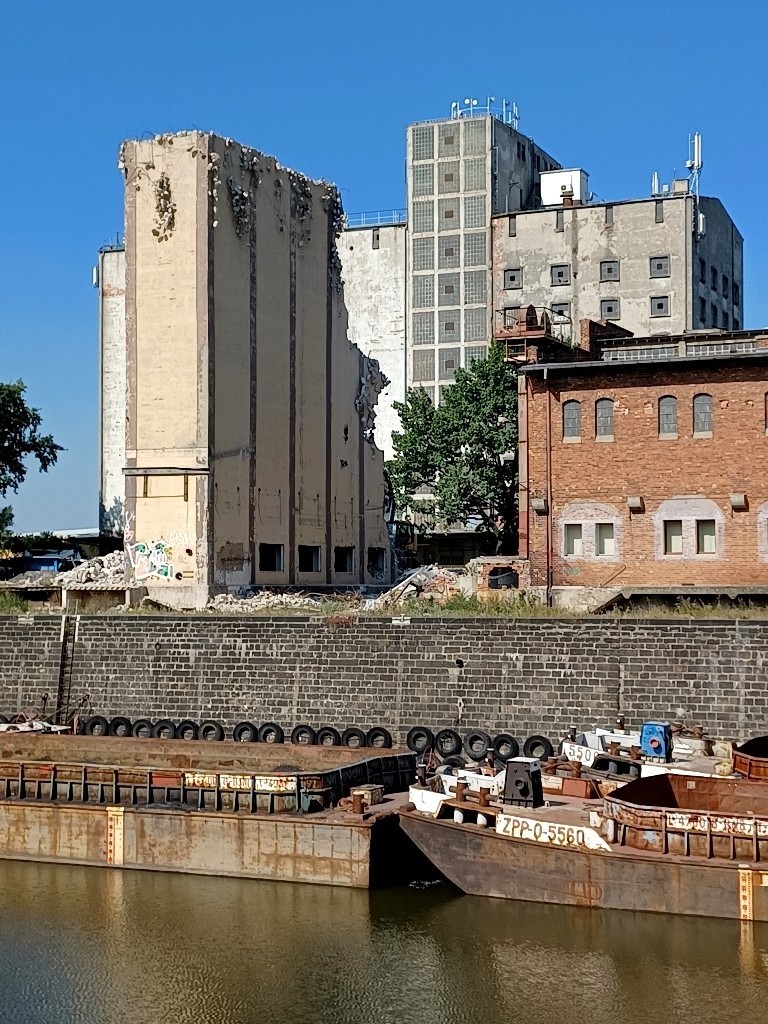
{"x": 375, "y": 238}
{"x": 659, "y": 211}
{"x": 343, "y": 559}
{"x": 270, "y": 557}
{"x": 309, "y": 558}
{"x": 377, "y": 562}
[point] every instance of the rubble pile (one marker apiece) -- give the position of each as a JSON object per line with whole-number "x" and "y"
{"x": 431, "y": 581}
{"x": 107, "y": 569}
{"x": 230, "y": 604}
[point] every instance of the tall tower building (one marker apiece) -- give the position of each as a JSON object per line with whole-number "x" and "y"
{"x": 462, "y": 170}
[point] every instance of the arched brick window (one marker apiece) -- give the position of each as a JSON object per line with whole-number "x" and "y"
{"x": 667, "y": 416}
{"x": 702, "y": 414}
{"x": 572, "y": 418}
{"x": 604, "y": 417}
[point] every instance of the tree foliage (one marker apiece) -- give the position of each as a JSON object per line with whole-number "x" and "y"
{"x": 20, "y": 438}
{"x": 455, "y": 449}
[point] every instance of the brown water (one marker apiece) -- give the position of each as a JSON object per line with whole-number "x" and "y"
{"x": 92, "y": 946}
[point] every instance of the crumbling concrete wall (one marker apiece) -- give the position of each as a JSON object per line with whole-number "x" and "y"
{"x": 111, "y": 284}
{"x": 250, "y": 447}
{"x": 373, "y": 263}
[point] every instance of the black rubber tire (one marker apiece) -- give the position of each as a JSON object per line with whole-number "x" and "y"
{"x": 210, "y": 731}
{"x": 353, "y": 737}
{"x": 270, "y": 732}
{"x": 447, "y": 743}
{"x": 3, "y": 720}
{"x": 454, "y": 761}
{"x": 142, "y": 728}
{"x": 303, "y": 735}
{"x": 379, "y": 737}
{"x": 505, "y": 746}
{"x": 245, "y": 732}
{"x": 327, "y": 736}
{"x": 163, "y": 729}
{"x": 477, "y": 744}
{"x": 419, "y": 739}
{"x": 96, "y": 725}
{"x": 119, "y": 726}
{"x": 189, "y": 727}
{"x": 538, "y": 746}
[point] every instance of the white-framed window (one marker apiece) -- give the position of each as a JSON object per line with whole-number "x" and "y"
{"x": 572, "y": 540}
{"x": 605, "y": 541}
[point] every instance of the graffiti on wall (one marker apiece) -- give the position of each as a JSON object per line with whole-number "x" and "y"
{"x": 151, "y": 560}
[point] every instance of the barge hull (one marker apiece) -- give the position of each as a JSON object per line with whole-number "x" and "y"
{"x": 482, "y": 863}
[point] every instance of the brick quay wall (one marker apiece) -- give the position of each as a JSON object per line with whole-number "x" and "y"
{"x": 523, "y": 676}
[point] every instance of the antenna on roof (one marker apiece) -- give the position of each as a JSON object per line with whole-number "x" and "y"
{"x": 694, "y": 164}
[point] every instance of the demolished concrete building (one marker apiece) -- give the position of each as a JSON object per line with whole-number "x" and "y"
{"x": 249, "y": 457}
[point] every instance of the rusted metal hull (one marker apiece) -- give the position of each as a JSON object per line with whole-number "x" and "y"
{"x": 482, "y": 863}
{"x": 327, "y": 850}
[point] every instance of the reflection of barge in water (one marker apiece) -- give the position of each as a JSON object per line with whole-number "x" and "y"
{"x": 670, "y": 843}
{"x": 249, "y": 810}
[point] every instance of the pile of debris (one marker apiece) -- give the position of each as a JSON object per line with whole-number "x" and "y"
{"x": 431, "y": 582}
{"x": 106, "y": 569}
{"x": 230, "y": 604}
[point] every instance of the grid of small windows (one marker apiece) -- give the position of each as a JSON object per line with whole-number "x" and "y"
{"x": 475, "y": 249}
{"x": 423, "y": 329}
{"x": 423, "y": 142}
{"x": 609, "y": 270}
{"x": 631, "y": 355}
{"x": 475, "y": 325}
{"x": 448, "y": 326}
{"x": 448, "y": 362}
{"x": 423, "y": 180}
{"x": 718, "y": 348}
{"x": 474, "y": 174}
{"x": 474, "y": 286}
{"x": 610, "y": 309}
{"x": 448, "y": 251}
{"x": 604, "y": 417}
{"x": 424, "y": 365}
{"x": 448, "y": 177}
{"x": 702, "y": 414}
{"x": 668, "y": 416}
{"x": 423, "y": 217}
{"x": 448, "y": 215}
{"x": 561, "y": 312}
{"x": 448, "y": 140}
{"x": 475, "y": 354}
{"x": 423, "y": 291}
{"x": 423, "y": 254}
{"x": 474, "y": 137}
{"x": 659, "y": 305}
{"x": 448, "y": 290}
{"x": 474, "y": 211}
{"x": 560, "y": 273}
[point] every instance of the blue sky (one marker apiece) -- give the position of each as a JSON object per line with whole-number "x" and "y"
{"x": 614, "y": 87}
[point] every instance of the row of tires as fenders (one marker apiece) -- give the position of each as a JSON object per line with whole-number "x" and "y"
{"x": 447, "y": 744}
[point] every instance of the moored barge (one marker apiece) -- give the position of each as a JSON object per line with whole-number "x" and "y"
{"x": 272, "y": 811}
{"x": 669, "y": 843}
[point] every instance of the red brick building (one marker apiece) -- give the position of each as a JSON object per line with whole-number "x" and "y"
{"x": 643, "y": 463}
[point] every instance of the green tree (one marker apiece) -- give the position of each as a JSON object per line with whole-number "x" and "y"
{"x": 20, "y": 438}
{"x": 457, "y": 448}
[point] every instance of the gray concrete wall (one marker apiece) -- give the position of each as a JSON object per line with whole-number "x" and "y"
{"x": 522, "y": 676}
{"x": 111, "y": 282}
{"x": 720, "y": 247}
{"x": 374, "y": 294}
{"x": 584, "y": 242}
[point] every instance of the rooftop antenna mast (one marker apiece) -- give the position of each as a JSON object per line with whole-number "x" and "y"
{"x": 694, "y": 164}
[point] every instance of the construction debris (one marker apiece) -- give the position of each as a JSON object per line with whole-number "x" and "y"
{"x": 107, "y": 569}
{"x": 430, "y": 581}
{"x": 230, "y": 604}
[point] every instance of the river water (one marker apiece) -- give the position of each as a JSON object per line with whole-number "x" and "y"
{"x": 94, "y": 946}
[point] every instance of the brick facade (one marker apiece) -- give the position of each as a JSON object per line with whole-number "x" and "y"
{"x": 524, "y": 676}
{"x": 678, "y": 476}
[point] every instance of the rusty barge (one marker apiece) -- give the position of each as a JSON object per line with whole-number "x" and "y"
{"x": 668, "y": 843}
{"x": 267, "y": 811}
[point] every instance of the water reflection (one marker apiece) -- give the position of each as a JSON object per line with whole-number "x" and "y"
{"x": 98, "y": 947}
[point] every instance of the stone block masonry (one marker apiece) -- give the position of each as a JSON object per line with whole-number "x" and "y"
{"x": 520, "y": 675}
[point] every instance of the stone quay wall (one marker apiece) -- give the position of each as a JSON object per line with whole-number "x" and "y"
{"x": 524, "y": 676}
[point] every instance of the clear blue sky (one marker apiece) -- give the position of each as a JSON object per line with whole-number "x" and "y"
{"x": 614, "y": 87}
